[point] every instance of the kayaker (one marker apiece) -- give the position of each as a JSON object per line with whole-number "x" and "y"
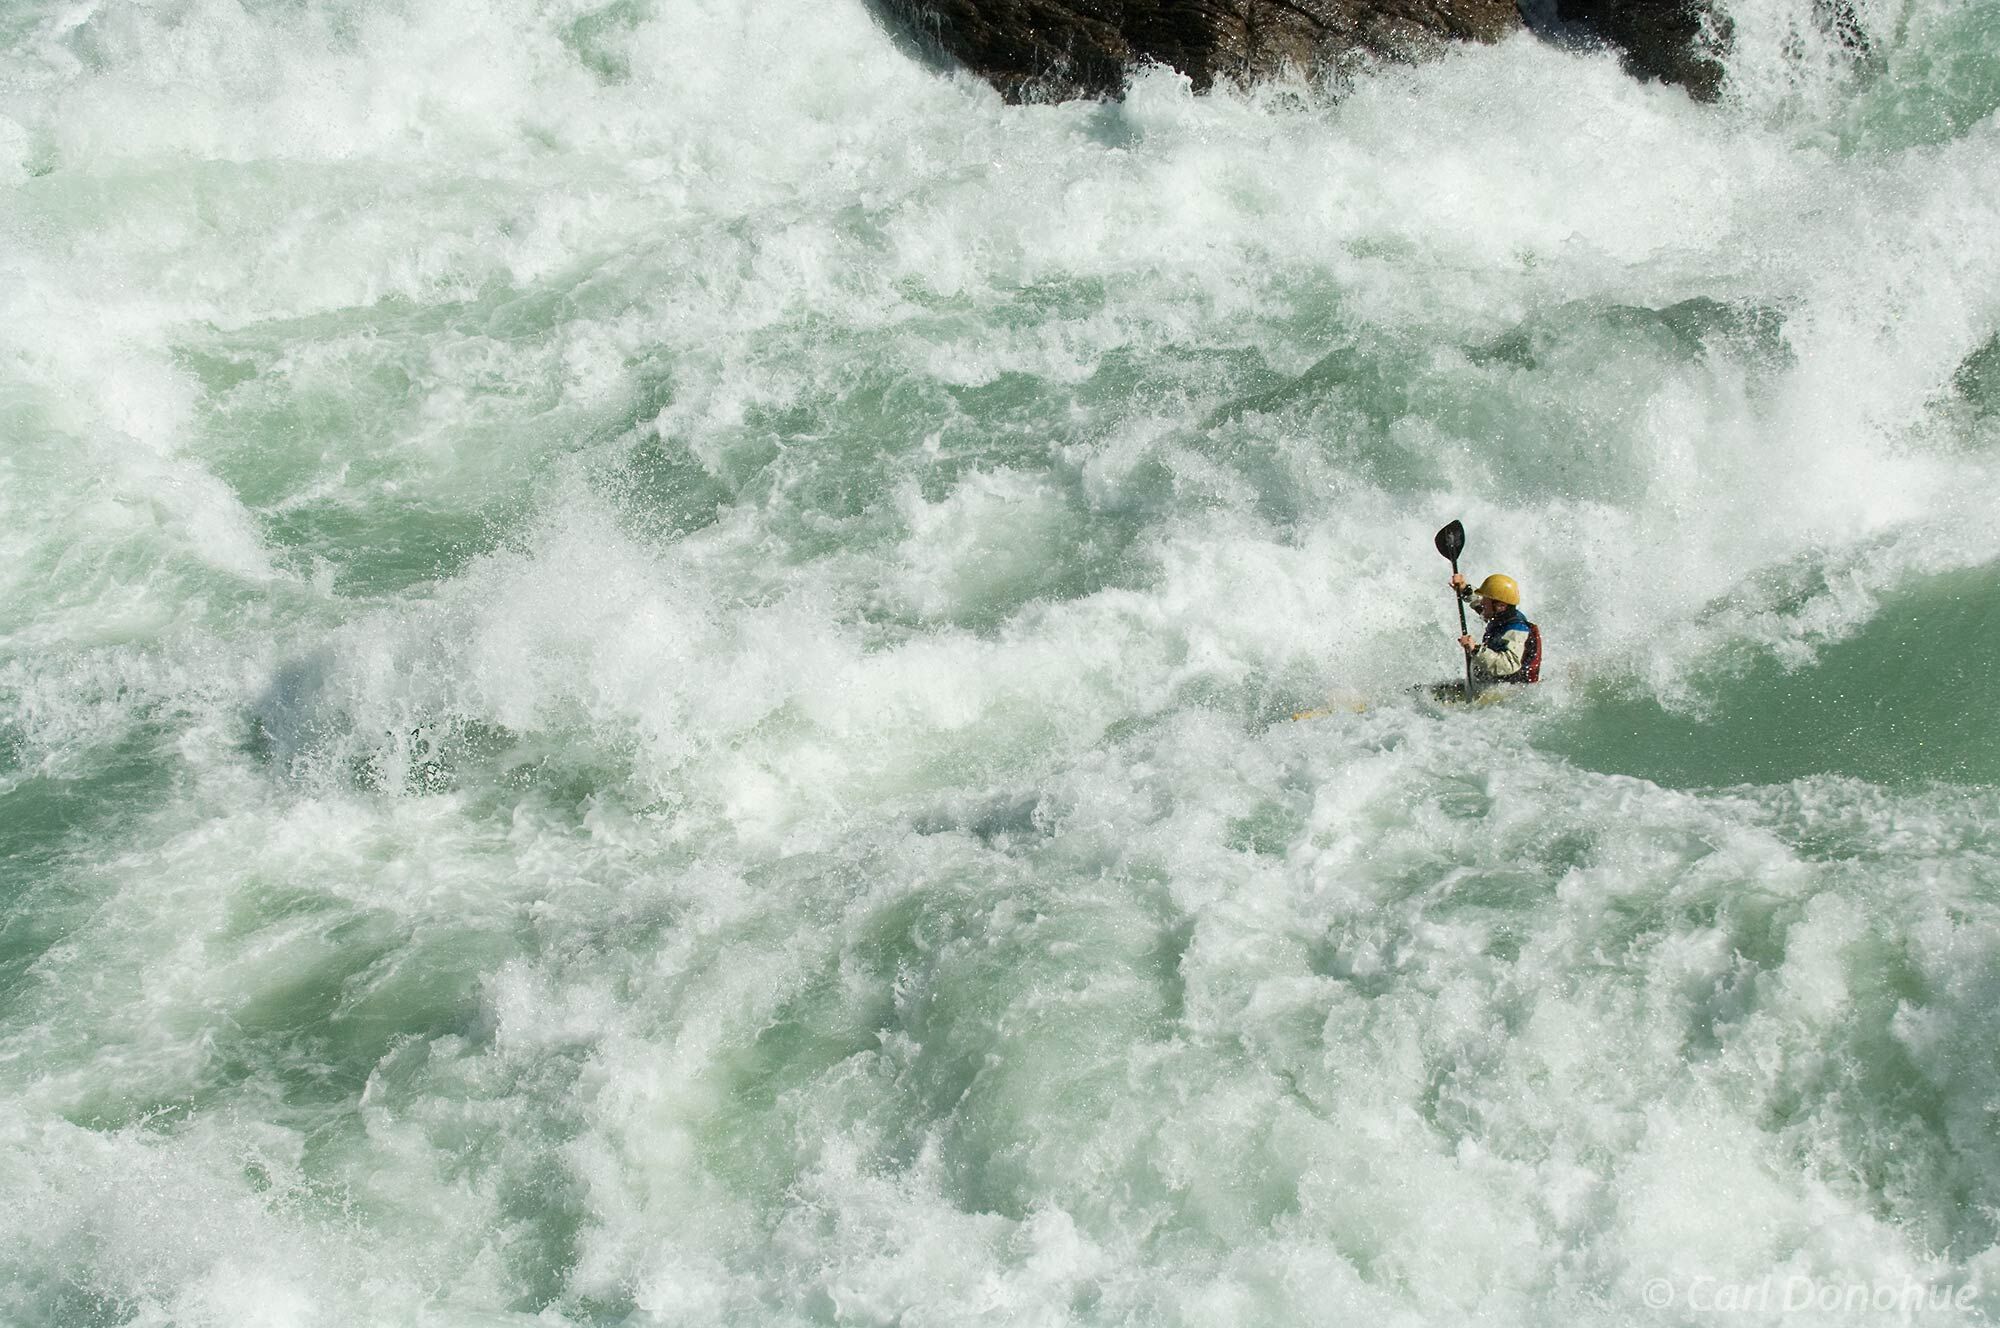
{"x": 1511, "y": 650}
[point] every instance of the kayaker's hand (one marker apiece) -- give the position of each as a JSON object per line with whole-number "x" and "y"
{"x": 1467, "y": 644}
{"x": 1458, "y": 581}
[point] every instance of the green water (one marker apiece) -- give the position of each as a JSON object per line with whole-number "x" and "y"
{"x": 1903, "y": 701}
{"x": 645, "y": 660}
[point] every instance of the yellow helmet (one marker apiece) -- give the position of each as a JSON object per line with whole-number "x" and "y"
{"x": 1501, "y": 588}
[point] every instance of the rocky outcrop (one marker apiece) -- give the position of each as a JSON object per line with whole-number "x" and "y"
{"x": 1051, "y": 50}
{"x": 1036, "y": 50}
{"x": 1675, "y": 41}
{"x": 1684, "y": 41}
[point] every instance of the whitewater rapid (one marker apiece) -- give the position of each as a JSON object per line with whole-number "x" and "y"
{"x": 646, "y": 649}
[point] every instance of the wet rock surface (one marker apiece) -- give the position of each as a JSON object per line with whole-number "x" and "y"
{"x": 1675, "y": 41}
{"x": 1053, "y": 50}
{"x": 1035, "y": 50}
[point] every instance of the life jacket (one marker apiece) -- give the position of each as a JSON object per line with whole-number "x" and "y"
{"x": 1531, "y": 657}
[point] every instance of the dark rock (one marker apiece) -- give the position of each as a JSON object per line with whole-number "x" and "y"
{"x": 1257, "y": 38}
{"x": 1684, "y": 41}
{"x": 1050, "y": 50}
{"x": 1055, "y": 49}
{"x": 1676, "y": 41}
{"x": 1026, "y": 48}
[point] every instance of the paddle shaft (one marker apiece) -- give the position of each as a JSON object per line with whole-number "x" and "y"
{"x": 1462, "y": 631}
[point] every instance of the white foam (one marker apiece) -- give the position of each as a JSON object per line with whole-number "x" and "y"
{"x": 826, "y": 911}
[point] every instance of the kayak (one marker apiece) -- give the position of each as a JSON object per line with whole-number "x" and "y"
{"x": 1453, "y": 693}
{"x": 1335, "y": 705}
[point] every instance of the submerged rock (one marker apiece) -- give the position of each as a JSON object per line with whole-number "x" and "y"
{"x": 1978, "y": 378}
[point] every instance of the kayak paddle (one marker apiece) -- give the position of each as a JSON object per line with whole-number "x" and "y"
{"x": 1451, "y": 542}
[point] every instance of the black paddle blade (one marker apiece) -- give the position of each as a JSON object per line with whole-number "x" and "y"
{"x": 1451, "y": 541}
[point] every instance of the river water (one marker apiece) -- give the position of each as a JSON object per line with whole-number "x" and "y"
{"x": 646, "y": 655}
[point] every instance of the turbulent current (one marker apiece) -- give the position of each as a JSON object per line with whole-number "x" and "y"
{"x": 646, "y": 659}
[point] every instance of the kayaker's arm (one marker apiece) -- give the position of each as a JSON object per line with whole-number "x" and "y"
{"x": 1506, "y": 661}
